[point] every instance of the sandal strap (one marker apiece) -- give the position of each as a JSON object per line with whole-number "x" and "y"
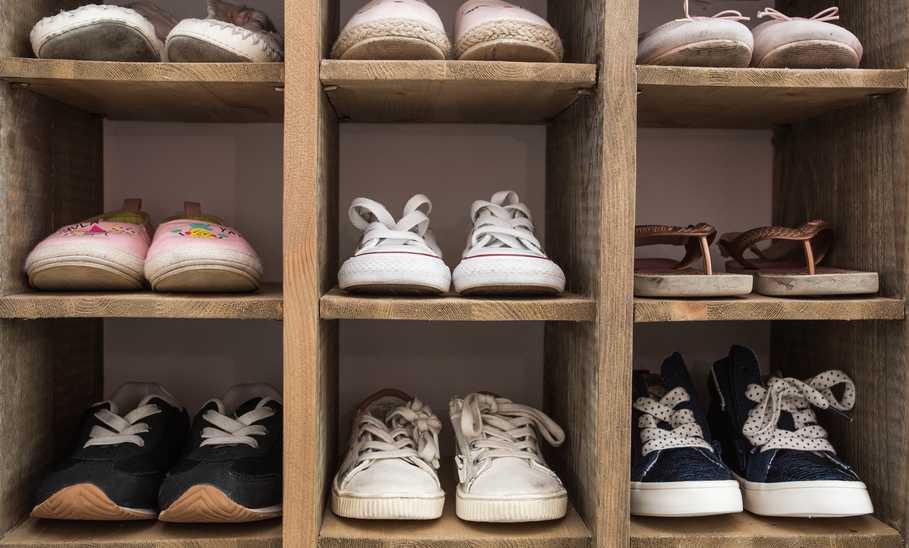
{"x": 695, "y": 238}
{"x": 816, "y": 237}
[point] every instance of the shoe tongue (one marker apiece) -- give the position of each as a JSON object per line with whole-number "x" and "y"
{"x": 382, "y": 407}
{"x": 156, "y": 398}
{"x": 248, "y": 406}
{"x": 745, "y": 366}
{"x": 675, "y": 374}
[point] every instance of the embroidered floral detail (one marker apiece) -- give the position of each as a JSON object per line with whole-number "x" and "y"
{"x": 204, "y": 230}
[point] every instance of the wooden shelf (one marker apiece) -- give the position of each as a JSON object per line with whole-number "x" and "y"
{"x": 758, "y": 307}
{"x": 757, "y": 532}
{"x": 179, "y": 92}
{"x": 453, "y": 91}
{"x": 35, "y": 533}
{"x": 267, "y": 304}
{"x": 337, "y": 305}
{"x": 753, "y": 98}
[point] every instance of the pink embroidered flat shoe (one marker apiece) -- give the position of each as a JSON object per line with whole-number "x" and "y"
{"x": 197, "y": 253}
{"x": 393, "y": 29}
{"x": 796, "y": 42}
{"x": 102, "y": 253}
{"x": 717, "y": 41}
{"x": 494, "y": 30}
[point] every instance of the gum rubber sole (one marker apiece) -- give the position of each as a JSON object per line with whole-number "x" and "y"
{"x": 82, "y": 275}
{"x": 208, "y": 504}
{"x": 87, "y": 502}
{"x": 511, "y": 510}
{"x": 387, "y": 508}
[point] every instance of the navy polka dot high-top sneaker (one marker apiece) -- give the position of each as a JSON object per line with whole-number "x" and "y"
{"x": 675, "y": 469}
{"x": 772, "y": 441}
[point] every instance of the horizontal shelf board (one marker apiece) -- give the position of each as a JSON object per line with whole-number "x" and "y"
{"x": 35, "y": 533}
{"x": 753, "y": 98}
{"x": 267, "y": 304}
{"x": 758, "y": 307}
{"x": 178, "y": 92}
{"x": 338, "y": 305}
{"x": 454, "y": 91}
{"x": 748, "y": 530}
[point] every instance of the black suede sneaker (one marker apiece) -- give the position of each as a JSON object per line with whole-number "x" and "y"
{"x": 123, "y": 451}
{"x": 231, "y": 471}
{"x": 773, "y": 443}
{"x": 675, "y": 469}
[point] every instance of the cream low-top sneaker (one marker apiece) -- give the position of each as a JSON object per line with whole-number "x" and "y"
{"x": 390, "y": 468}
{"x": 494, "y": 30}
{"x": 717, "y": 41}
{"x": 502, "y": 475}
{"x": 393, "y": 29}
{"x": 503, "y": 255}
{"x": 796, "y": 42}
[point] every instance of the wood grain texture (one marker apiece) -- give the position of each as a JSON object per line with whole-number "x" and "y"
{"x": 58, "y": 534}
{"x": 310, "y": 270}
{"x": 758, "y": 307}
{"x": 454, "y": 91}
{"x": 182, "y": 92}
{"x": 850, "y": 168}
{"x": 749, "y": 531}
{"x": 266, "y": 304}
{"x": 338, "y": 305}
{"x": 50, "y": 174}
{"x": 753, "y": 98}
{"x": 590, "y": 195}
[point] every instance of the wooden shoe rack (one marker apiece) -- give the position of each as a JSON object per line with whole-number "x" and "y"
{"x": 841, "y": 152}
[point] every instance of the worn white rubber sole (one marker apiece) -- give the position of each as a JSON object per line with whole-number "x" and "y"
{"x": 811, "y": 54}
{"x": 511, "y": 509}
{"x": 396, "y": 508}
{"x": 685, "y": 498}
{"x": 97, "y": 33}
{"x": 508, "y": 275}
{"x": 705, "y": 53}
{"x": 394, "y": 272}
{"x": 220, "y": 271}
{"x": 807, "y": 499}
{"x": 392, "y": 39}
{"x": 80, "y": 267}
{"x": 212, "y": 41}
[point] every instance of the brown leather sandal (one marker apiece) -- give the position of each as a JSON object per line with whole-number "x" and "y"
{"x": 789, "y": 266}
{"x": 672, "y": 278}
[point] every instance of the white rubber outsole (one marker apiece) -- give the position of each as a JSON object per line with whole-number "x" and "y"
{"x": 508, "y": 275}
{"x": 394, "y": 273}
{"x": 685, "y": 498}
{"x": 511, "y": 510}
{"x": 68, "y": 24}
{"x": 77, "y": 267}
{"x": 393, "y": 508}
{"x": 807, "y": 499}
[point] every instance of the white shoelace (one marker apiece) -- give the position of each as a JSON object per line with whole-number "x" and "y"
{"x": 124, "y": 429}
{"x": 380, "y": 228}
{"x": 240, "y": 431}
{"x": 796, "y": 398}
{"x": 829, "y": 14}
{"x": 731, "y": 15}
{"x": 503, "y": 223}
{"x": 497, "y": 427}
{"x": 685, "y": 430}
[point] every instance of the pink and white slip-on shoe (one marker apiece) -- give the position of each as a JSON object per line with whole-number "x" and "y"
{"x": 102, "y": 253}
{"x": 494, "y": 30}
{"x": 94, "y": 32}
{"x": 394, "y": 257}
{"x": 797, "y": 42}
{"x": 503, "y": 256}
{"x": 393, "y": 29}
{"x": 197, "y": 253}
{"x": 230, "y": 34}
{"x": 717, "y": 41}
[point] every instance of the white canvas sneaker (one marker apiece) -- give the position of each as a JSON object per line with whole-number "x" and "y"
{"x": 503, "y": 256}
{"x": 390, "y": 468}
{"x": 494, "y": 30}
{"x": 717, "y": 41}
{"x": 394, "y": 257}
{"x": 502, "y": 475}
{"x": 796, "y": 42}
{"x": 393, "y": 29}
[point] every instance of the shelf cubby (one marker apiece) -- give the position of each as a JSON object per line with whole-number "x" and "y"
{"x": 175, "y": 92}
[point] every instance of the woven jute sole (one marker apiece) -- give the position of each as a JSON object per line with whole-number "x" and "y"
{"x": 87, "y": 502}
{"x": 397, "y": 508}
{"x": 510, "y": 41}
{"x": 811, "y": 54}
{"x": 511, "y": 510}
{"x": 392, "y": 39}
{"x": 708, "y": 53}
{"x": 208, "y": 504}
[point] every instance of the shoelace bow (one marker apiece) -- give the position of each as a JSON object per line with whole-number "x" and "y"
{"x": 730, "y": 15}
{"x": 829, "y": 14}
{"x": 796, "y": 398}
{"x": 499, "y": 223}
{"x": 124, "y": 429}
{"x": 409, "y": 431}
{"x": 497, "y": 427}
{"x": 684, "y": 432}
{"x": 380, "y": 227}
{"x": 239, "y": 431}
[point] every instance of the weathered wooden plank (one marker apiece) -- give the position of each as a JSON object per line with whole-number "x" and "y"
{"x": 758, "y": 307}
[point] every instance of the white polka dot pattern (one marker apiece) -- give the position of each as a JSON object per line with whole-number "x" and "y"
{"x": 682, "y": 431}
{"x": 796, "y": 398}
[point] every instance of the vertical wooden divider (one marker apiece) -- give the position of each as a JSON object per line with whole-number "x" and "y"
{"x": 590, "y": 196}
